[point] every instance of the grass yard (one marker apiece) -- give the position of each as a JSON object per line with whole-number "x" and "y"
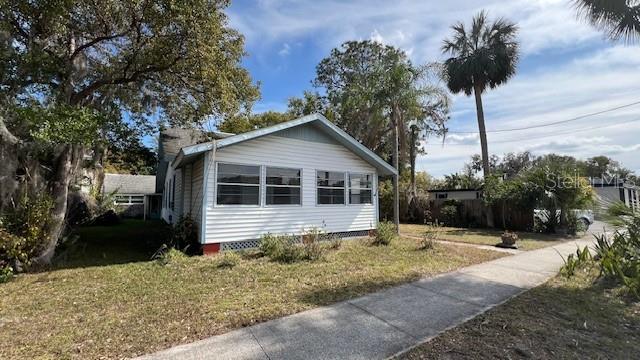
{"x": 528, "y": 241}
{"x": 121, "y": 304}
{"x": 563, "y": 319}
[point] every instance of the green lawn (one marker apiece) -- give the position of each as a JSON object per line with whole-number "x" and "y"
{"x": 577, "y": 318}
{"x": 528, "y": 241}
{"x": 107, "y": 300}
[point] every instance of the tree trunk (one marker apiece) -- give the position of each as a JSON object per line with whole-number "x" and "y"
{"x": 412, "y": 159}
{"x": 396, "y": 190}
{"x": 65, "y": 164}
{"x": 477, "y": 91}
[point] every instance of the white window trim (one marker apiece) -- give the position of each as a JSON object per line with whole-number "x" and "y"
{"x": 259, "y": 185}
{"x": 359, "y": 188}
{"x": 129, "y": 202}
{"x": 284, "y": 186}
{"x": 345, "y": 175}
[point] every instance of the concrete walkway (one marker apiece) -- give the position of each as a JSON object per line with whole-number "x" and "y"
{"x": 382, "y": 324}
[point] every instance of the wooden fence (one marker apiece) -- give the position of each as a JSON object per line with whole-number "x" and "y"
{"x": 472, "y": 213}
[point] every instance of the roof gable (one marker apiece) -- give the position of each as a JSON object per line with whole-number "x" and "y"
{"x": 318, "y": 121}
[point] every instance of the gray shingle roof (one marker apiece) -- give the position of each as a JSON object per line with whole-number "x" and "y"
{"x": 129, "y": 184}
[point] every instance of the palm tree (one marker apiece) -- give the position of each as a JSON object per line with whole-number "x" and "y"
{"x": 485, "y": 56}
{"x": 619, "y": 18}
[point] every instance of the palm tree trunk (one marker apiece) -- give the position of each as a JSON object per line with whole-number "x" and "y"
{"x": 477, "y": 91}
{"x": 483, "y": 131}
{"x": 396, "y": 190}
{"x": 412, "y": 160}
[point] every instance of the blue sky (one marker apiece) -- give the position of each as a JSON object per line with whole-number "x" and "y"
{"x": 567, "y": 69}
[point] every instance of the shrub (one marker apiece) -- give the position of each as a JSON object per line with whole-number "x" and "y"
{"x": 287, "y": 248}
{"x": 619, "y": 258}
{"x": 385, "y": 233}
{"x": 6, "y": 274}
{"x": 312, "y": 235}
{"x": 449, "y": 214}
{"x": 575, "y": 261}
{"x": 166, "y": 255}
{"x": 22, "y": 232}
{"x": 430, "y": 236}
{"x": 312, "y": 251}
{"x": 184, "y": 236}
{"x": 334, "y": 243}
{"x": 227, "y": 260}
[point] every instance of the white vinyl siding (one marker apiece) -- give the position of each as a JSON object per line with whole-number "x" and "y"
{"x": 236, "y": 223}
{"x": 186, "y": 190}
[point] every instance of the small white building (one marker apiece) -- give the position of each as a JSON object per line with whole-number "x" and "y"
{"x": 284, "y": 179}
{"x": 133, "y": 195}
{"x": 454, "y": 194}
{"x": 616, "y": 190}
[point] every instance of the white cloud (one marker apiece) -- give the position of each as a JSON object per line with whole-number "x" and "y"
{"x": 286, "y": 50}
{"x": 408, "y": 24}
{"x": 574, "y": 72}
{"x": 375, "y": 36}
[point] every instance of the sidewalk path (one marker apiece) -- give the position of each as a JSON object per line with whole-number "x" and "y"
{"x": 382, "y": 324}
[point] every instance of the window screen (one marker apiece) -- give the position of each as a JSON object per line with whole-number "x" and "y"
{"x": 360, "y": 188}
{"x": 283, "y": 186}
{"x": 238, "y": 185}
{"x": 330, "y": 186}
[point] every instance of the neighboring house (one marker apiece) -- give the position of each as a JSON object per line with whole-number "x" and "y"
{"x": 616, "y": 190}
{"x": 454, "y": 194}
{"x": 134, "y": 195}
{"x": 284, "y": 179}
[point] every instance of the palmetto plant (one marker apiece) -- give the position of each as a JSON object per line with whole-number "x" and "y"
{"x": 620, "y": 19}
{"x": 483, "y": 56}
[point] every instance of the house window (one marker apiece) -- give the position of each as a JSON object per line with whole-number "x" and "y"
{"x": 238, "y": 185}
{"x": 283, "y": 186}
{"x": 442, "y": 195}
{"x": 129, "y": 199}
{"x": 360, "y": 188}
{"x": 331, "y": 188}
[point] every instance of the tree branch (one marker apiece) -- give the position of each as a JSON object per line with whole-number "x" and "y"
{"x": 89, "y": 44}
{"x": 80, "y": 96}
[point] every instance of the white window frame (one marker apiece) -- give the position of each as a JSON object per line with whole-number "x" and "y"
{"x": 259, "y": 185}
{"x": 283, "y": 186}
{"x": 349, "y": 188}
{"x": 344, "y": 188}
{"x": 128, "y": 196}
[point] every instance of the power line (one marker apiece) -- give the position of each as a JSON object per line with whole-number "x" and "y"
{"x": 544, "y": 136}
{"x": 551, "y": 123}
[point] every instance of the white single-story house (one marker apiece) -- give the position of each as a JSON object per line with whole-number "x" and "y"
{"x": 133, "y": 195}
{"x": 616, "y": 190}
{"x": 284, "y": 179}
{"x": 454, "y": 194}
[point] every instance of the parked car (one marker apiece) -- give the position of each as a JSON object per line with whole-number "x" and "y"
{"x": 584, "y": 216}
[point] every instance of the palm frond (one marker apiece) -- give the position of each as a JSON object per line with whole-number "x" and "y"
{"x": 485, "y": 56}
{"x": 620, "y": 19}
